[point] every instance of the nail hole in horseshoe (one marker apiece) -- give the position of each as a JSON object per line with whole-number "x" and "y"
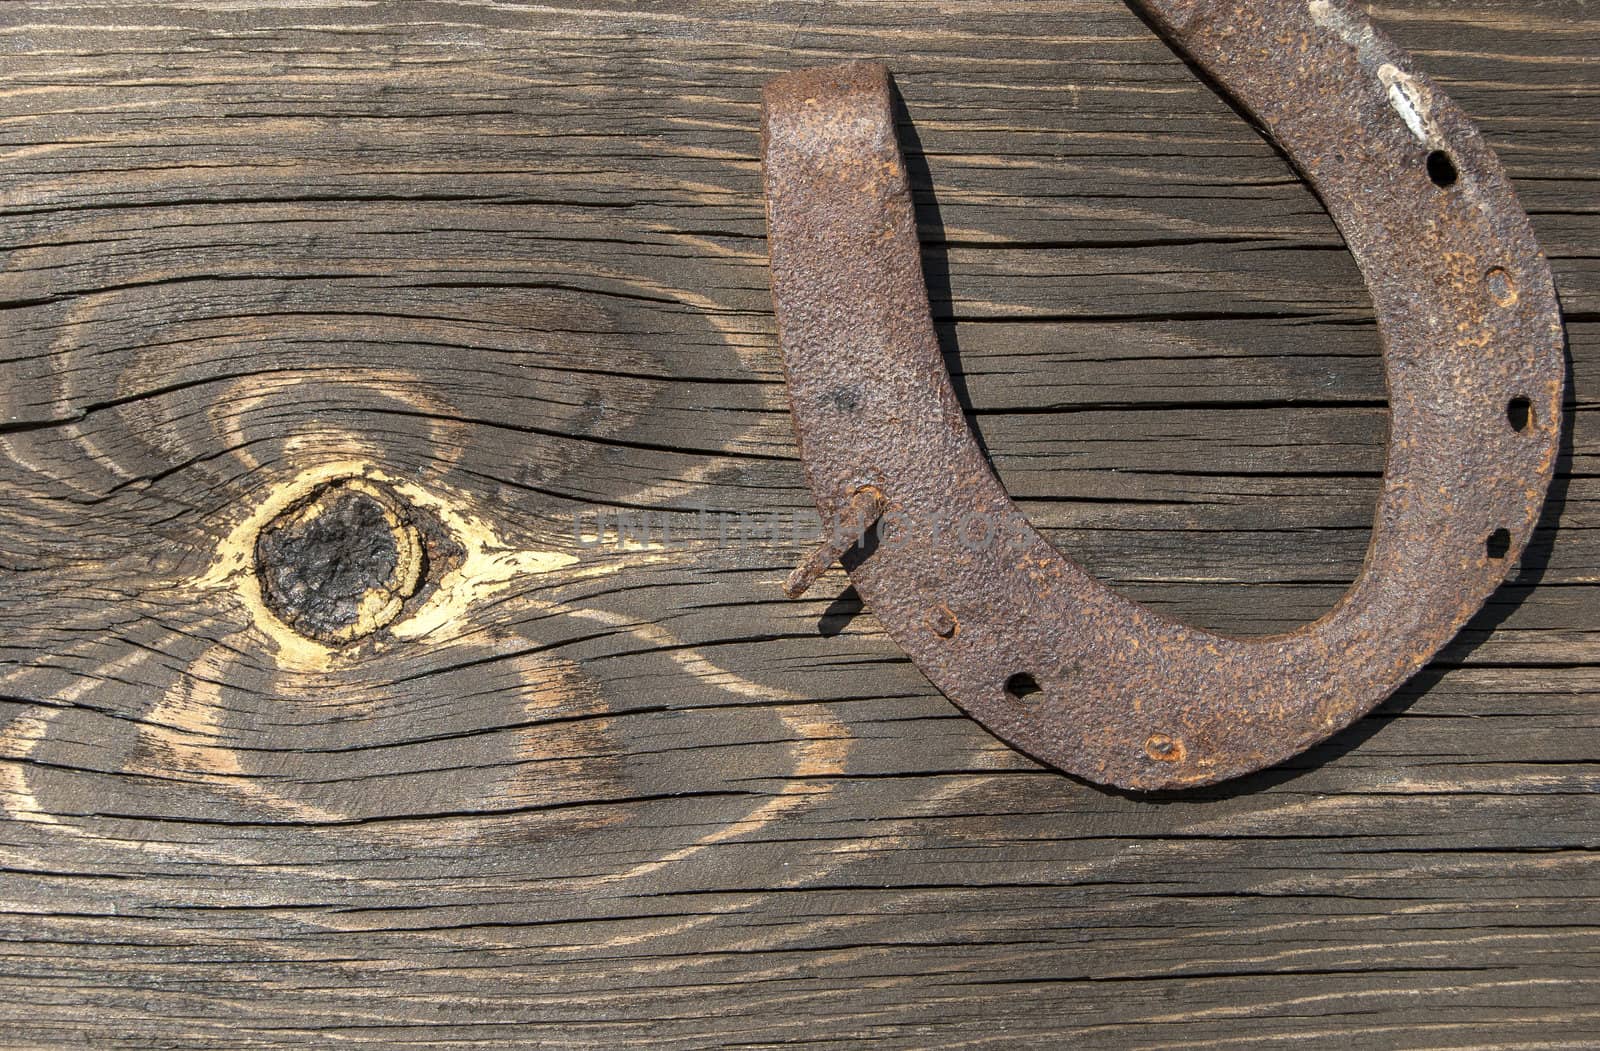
{"x": 1501, "y": 286}
{"x": 1519, "y": 413}
{"x": 1441, "y": 169}
{"x": 1022, "y": 687}
{"x": 1498, "y": 544}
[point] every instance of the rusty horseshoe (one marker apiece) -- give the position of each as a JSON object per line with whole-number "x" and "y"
{"x": 1021, "y": 637}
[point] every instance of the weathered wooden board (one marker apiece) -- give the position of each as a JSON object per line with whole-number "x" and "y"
{"x": 507, "y": 260}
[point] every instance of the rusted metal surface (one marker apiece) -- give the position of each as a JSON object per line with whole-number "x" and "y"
{"x": 1125, "y": 696}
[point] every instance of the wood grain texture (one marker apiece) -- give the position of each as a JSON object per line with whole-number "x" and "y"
{"x": 505, "y": 261}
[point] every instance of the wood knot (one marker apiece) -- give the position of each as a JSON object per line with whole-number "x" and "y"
{"x": 340, "y": 563}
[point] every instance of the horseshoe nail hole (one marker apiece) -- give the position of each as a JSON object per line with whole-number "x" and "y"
{"x": 1442, "y": 170}
{"x": 1164, "y": 748}
{"x": 1501, "y": 287}
{"x": 1498, "y": 544}
{"x": 1022, "y": 687}
{"x": 1519, "y": 413}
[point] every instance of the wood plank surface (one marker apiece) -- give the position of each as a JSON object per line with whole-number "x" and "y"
{"x": 505, "y": 263}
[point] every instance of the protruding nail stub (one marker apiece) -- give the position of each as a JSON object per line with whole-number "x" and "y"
{"x": 860, "y": 514}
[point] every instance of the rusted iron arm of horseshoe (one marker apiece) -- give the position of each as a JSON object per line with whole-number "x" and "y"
{"x": 1472, "y": 348}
